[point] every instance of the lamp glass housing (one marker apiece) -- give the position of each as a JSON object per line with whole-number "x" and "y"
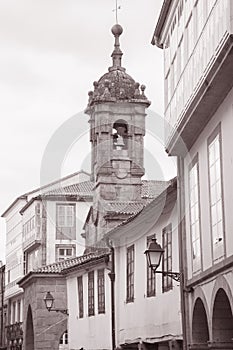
{"x": 154, "y": 254}
{"x": 49, "y": 301}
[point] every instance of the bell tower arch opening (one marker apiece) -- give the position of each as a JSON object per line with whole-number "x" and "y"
{"x": 120, "y": 135}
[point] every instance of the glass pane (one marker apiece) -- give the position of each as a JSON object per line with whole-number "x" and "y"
{"x": 214, "y": 233}
{"x": 214, "y": 215}
{"x": 212, "y": 175}
{"x": 211, "y": 154}
{"x": 219, "y": 210}
{"x": 220, "y": 231}
{"x": 217, "y": 169}
{"x": 61, "y": 251}
{"x": 218, "y": 190}
{"x": 68, "y": 251}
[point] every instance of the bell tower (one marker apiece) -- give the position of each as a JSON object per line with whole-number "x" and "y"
{"x": 116, "y": 108}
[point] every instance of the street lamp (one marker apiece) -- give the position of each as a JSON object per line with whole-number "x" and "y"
{"x": 154, "y": 253}
{"x": 49, "y": 301}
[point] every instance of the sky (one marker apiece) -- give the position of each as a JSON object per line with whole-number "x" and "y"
{"x": 51, "y": 53}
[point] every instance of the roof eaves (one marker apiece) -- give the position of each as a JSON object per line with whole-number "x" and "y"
{"x": 29, "y": 203}
{"x": 25, "y": 195}
{"x": 35, "y": 274}
{"x": 162, "y": 16}
{"x": 90, "y": 262}
{"x": 12, "y": 204}
{"x": 58, "y": 181}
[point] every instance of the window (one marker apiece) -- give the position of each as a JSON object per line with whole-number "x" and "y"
{"x": 32, "y": 260}
{"x": 19, "y": 310}
{"x": 130, "y": 274}
{"x": 175, "y": 72}
{"x": 167, "y": 257}
{"x": 101, "y": 292}
{"x": 194, "y": 214}
{"x": 91, "y": 304}
{"x": 64, "y": 338}
{"x": 65, "y": 251}
{"x": 180, "y": 10}
{"x": 13, "y": 319}
{"x": 65, "y": 228}
{"x": 168, "y": 85}
{"x": 150, "y": 290}
{"x": 80, "y": 296}
{"x": 28, "y": 227}
{"x": 8, "y": 276}
{"x": 216, "y": 194}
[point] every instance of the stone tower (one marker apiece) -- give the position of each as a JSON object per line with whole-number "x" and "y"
{"x": 117, "y": 128}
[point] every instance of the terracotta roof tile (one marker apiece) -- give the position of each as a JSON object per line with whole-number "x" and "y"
{"x": 82, "y": 188}
{"x": 68, "y": 263}
{"x": 129, "y": 208}
{"x": 152, "y": 188}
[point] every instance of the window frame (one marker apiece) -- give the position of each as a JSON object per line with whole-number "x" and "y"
{"x": 91, "y": 293}
{"x": 216, "y": 132}
{"x": 150, "y": 275}
{"x": 167, "y": 283}
{"x": 130, "y": 268}
{"x": 101, "y": 290}
{"x": 65, "y": 231}
{"x": 194, "y": 162}
{"x": 80, "y": 297}
{"x": 65, "y": 247}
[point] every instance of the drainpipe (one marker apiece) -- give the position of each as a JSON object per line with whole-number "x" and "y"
{"x": 182, "y": 251}
{"x": 112, "y": 279}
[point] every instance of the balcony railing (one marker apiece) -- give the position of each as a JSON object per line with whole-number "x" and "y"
{"x": 31, "y": 239}
{"x": 205, "y": 53}
{"x": 14, "y": 335}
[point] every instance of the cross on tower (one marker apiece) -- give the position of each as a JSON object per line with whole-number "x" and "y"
{"x": 116, "y": 11}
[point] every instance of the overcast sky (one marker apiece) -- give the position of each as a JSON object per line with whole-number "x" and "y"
{"x": 51, "y": 52}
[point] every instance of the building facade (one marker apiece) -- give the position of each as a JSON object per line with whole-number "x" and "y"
{"x": 145, "y": 299}
{"x": 2, "y": 307}
{"x": 197, "y": 40}
{"x": 42, "y": 227}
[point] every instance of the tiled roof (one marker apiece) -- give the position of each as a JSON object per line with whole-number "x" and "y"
{"x": 171, "y": 185}
{"x": 128, "y": 208}
{"x": 152, "y": 188}
{"x": 69, "y": 263}
{"x": 81, "y": 189}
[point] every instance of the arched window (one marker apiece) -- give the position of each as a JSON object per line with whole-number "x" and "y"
{"x": 64, "y": 338}
{"x": 120, "y": 135}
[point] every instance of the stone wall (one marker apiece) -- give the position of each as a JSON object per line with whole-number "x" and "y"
{"x": 41, "y": 327}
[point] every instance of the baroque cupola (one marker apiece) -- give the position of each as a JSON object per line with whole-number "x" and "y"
{"x": 116, "y": 85}
{"x": 116, "y": 108}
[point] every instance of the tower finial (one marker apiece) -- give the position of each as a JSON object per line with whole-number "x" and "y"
{"x": 117, "y": 53}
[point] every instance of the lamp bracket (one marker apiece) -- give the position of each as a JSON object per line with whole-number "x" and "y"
{"x": 63, "y": 311}
{"x": 174, "y": 275}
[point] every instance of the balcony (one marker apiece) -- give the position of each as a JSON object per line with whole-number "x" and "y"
{"x": 204, "y": 83}
{"x": 14, "y": 335}
{"x": 32, "y": 239}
